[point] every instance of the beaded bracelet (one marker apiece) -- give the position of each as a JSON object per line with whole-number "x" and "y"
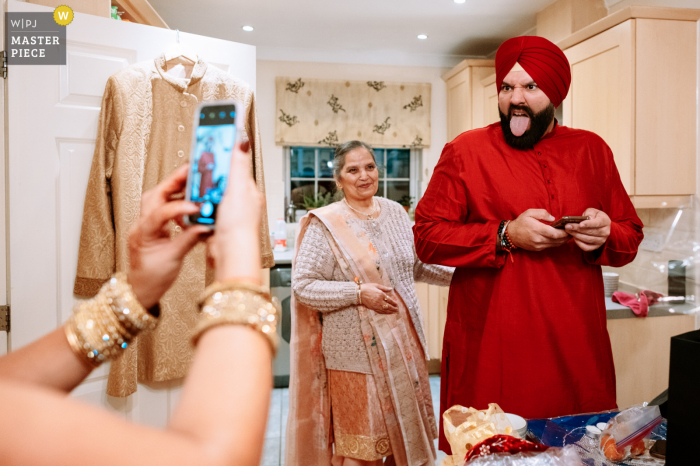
{"x": 359, "y": 290}
{"x": 101, "y": 328}
{"x": 238, "y": 303}
{"x": 508, "y": 243}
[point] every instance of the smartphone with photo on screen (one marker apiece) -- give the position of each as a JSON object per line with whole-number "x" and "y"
{"x": 215, "y": 132}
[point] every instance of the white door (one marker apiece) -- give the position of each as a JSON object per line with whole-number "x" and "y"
{"x": 53, "y": 113}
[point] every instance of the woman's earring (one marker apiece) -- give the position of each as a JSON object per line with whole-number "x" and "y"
{"x": 340, "y": 188}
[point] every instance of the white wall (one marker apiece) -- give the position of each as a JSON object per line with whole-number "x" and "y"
{"x": 273, "y": 155}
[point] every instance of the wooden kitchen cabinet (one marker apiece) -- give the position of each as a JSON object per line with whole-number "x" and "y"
{"x": 465, "y": 95}
{"x": 490, "y": 100}
{"x": 433, "y": 304}
{"x": 633, "y": 83}
{"x": 135, "y": 11}
{"x": 641, "y": 348}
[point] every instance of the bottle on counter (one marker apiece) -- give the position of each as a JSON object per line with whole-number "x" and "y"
{"x": 281, "y": 235}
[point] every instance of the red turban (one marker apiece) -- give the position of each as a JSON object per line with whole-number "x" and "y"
{"x": 542, "y": 60}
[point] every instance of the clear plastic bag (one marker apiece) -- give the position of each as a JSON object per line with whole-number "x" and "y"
{"x": 624, "y": 436}
{"x": 566, "y": 456}
{"x": 466, "y": 427}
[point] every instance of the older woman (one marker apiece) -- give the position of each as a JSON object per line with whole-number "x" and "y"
{"x": 359, "y": 378}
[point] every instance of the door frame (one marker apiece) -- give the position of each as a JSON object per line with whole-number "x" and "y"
{"x": 4, "y": 222}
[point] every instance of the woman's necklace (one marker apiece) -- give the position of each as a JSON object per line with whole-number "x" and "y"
{"x": 370, "y": 216}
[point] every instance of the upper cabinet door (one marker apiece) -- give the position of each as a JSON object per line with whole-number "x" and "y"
{"x": 490, "y": 109}
{"x": 601, "y": 98}
{"x": 635, "y": 86}
{"x": 458, "y": 104}
{"x": 666, "y": 107}
{"x": 465, "y": 96}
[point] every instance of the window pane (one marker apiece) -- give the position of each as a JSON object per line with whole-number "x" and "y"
{"x": 397, "y": 163}
{"x": 325, "y": 163}
{"x": 325, "y": 187}
{"x": 379, "y": 157}
{"x": 302, "y": 162}
{"x": 397, "y": 189}
{"x": 380, "y": 191}
{"x": 301, "y": 189}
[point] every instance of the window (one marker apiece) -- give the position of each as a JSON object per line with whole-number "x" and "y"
{"x": 310, "y": 173}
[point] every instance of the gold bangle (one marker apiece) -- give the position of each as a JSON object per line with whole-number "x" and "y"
{"x": 238, "y": 303}
{"x": 102, "y": 327}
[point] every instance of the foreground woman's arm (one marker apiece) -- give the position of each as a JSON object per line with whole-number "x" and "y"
{"x": 221, "y": 417}
{"x": 49, "y": 361}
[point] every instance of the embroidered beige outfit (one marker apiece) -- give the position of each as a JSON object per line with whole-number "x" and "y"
{"x": 363, "y": 370}
{"x": 144, "y": 134}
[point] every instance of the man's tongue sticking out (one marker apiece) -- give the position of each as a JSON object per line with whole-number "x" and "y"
{"x": 519, "y": 124}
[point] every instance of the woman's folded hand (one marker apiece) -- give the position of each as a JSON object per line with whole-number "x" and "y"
{"x": 378, "y": 298}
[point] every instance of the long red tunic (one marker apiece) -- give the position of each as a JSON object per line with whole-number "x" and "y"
{"x": 530, "y": 334}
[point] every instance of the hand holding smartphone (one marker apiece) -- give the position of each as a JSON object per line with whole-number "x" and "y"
{"x": 215, "y": 133}
{"x": 562, "y": 222}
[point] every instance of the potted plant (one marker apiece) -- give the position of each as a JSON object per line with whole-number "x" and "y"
{"x": 320, "y": 200}
{"x": 406, "y": 202}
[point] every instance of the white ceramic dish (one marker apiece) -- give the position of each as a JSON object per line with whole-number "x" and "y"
{"x": 519, "y": 424}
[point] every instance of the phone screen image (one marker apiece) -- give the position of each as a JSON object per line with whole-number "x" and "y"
{"x": 215, "y": 136}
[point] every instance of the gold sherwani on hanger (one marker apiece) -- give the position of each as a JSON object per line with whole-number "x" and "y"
{"x": 144, "y": 134}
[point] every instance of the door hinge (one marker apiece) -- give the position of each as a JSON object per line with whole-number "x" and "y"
{"x": 4, "y": 65}
{"x": 5, "y": 318}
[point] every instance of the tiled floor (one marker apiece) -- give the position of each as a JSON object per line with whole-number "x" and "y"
{"x": 273, "y": 453}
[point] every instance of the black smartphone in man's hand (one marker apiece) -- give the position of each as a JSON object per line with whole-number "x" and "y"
{"x": 561, "y": 223}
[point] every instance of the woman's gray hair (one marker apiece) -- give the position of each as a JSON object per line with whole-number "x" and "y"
{"x": 344, "y": 149}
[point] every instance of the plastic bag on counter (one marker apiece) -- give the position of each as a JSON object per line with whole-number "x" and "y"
{"x": 465, "y": 427}
{"x": 625, "y": 435}
{"x": 566, "y": 456}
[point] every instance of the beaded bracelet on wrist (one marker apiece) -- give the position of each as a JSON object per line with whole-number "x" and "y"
{"x": 510, "y": 241}
{"x": 238, "y": 303}
{"x": 359, "y": 290}
{"x": 101, "y": 328}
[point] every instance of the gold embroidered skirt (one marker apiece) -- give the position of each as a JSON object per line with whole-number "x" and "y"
{"x": 358, "y": 422}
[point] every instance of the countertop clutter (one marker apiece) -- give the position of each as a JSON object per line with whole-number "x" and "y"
{"x": 618, "y": 311}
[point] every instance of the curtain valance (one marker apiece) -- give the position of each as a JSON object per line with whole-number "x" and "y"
{"x": 314, "y": 112}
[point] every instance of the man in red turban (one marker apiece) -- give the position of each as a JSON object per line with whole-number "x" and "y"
{"x": 526, "y": 321}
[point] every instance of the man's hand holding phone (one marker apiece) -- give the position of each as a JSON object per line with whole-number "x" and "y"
{"x": 591, "y": 234}
{"x": 529, "y": 233}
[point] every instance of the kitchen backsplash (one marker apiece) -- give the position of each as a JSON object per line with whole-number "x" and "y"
{"x": 669, "y": 234}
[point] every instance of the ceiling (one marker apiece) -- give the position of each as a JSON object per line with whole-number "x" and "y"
{"x": 358, "y": 31}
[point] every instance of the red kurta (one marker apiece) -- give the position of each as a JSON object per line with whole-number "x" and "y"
{"x": 530, "y": 334}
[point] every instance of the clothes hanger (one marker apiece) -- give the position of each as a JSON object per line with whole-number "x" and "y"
{"x": 178, "y": 51}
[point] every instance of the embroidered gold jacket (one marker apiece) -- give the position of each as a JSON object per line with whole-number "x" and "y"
{"x": 144, "y": 134}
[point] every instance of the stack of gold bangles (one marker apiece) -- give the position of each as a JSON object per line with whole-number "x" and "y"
{"x": 239, "y": 303}
{"x": 102, "y": 327}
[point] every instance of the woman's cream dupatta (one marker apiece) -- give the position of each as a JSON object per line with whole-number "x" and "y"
{"x": 410, "y": 426}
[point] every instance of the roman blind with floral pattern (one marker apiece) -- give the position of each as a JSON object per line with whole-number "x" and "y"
{"x": 313, "y": 112}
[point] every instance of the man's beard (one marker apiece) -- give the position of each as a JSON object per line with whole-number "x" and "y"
{"x": 539, "y": 122}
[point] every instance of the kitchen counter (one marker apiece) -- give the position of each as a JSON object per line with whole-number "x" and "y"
{"x": 614, "y": 310}
{"x": 617, "y": 311}
{"x": 283, "y": 257}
